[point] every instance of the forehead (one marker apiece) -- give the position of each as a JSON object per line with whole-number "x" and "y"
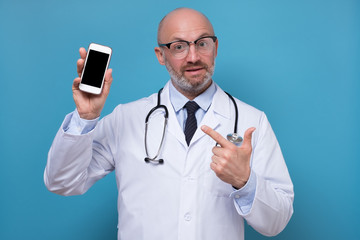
{"x": 184, "y": 24}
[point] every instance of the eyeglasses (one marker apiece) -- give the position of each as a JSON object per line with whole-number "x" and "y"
{"x": 180, "y": 48}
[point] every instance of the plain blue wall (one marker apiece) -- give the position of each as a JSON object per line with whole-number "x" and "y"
{"x": 299, "y": 61}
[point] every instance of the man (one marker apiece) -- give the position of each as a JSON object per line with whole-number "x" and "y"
{"x": 207, "y": 185}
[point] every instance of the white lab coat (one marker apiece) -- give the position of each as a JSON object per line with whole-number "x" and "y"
{"x": 182, "y": 199}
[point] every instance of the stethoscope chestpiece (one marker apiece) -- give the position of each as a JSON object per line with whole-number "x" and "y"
{"x": 154, "y": 161}
{"x": 235, "y": 139}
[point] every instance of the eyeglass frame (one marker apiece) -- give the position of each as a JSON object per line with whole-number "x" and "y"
{"x": 214, "y": 38}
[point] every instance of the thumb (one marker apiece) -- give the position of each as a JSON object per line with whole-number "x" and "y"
{"x": 247, "y": 137}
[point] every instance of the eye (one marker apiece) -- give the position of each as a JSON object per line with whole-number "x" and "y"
{"x": 178, "y": 47}
{"x": 202, "y": 43}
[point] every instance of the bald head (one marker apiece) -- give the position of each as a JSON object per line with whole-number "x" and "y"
{"x": 182, "y": 20}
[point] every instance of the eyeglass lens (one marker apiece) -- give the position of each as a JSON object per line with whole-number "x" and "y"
{"x": 181, "y": 48}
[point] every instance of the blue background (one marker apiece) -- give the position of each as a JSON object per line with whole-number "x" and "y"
{"x": 299, "y": 61}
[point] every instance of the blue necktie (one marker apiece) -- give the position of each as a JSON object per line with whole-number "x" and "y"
{"x": 191, "y": 124}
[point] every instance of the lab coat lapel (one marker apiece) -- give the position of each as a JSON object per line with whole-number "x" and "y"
{"x": 219, "y": 109}
{"x": 173, "y": 124}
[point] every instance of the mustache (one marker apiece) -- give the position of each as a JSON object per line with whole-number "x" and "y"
{"x": 198, "y": 64}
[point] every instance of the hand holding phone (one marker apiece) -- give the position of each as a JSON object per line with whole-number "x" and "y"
{"x": 96, "y": 63}
{"x": 89, "y": 103}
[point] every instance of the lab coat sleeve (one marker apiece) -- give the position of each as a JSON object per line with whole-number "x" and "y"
{"x": 272, "y": 207}
{"x": 76, "y": 162}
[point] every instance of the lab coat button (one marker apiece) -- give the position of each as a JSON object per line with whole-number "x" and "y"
{"x": 187, "y": 217}
{"x": 237, "y": 196}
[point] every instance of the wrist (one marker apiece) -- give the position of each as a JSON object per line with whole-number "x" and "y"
{"x": 241, "y": 181}
{"x": 239, "y": 185}
{"x": 87, "y": 115}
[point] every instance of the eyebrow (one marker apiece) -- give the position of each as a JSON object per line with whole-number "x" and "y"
{"x": 181, "y": 39}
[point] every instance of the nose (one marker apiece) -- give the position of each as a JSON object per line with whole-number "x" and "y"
{"x": 193, "y": 55}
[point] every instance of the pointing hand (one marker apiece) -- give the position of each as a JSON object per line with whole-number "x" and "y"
{"x": 229, "y": 162}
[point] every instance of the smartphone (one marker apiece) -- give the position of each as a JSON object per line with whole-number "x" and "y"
{"x": 96, "y": 63}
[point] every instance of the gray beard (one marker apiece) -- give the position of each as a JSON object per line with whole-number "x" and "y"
{"x": 185, "y": 85}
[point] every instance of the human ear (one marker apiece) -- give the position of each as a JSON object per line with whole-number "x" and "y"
{"x": 216, "y": 46}
{"x": 160, "y": 55}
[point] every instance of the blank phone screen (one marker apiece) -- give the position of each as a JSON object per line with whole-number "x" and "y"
{"x": 95, "y": 68}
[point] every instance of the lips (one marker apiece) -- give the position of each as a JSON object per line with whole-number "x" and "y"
{"x": 194, "y": 69}
{"x": 194, "y": 72}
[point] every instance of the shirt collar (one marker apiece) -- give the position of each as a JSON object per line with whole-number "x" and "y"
{"x": 203, "y": 100}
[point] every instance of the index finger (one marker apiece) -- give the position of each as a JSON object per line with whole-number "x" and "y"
{"x": 216, "y": 136}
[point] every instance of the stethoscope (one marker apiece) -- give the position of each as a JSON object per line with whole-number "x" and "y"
{"x": 232, "y": 137}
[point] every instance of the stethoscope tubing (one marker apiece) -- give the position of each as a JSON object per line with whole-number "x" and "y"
{"x": 154, "y": 160}
{"x": 236, "y": 111}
